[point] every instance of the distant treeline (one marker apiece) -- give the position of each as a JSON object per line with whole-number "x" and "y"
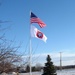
{"x": 65, "y": 67}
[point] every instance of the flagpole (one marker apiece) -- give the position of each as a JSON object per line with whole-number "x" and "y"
{"x": 44, "y": 38}
{"x": 30, "y": 48}
{"x": 30, "y": 57}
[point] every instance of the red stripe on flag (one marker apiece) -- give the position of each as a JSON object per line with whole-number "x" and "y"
{"x": 37, "y": 20}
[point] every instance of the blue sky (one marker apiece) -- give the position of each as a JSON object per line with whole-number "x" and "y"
{"x": 59, "y": 17}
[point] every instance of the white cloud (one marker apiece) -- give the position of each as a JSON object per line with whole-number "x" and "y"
{"x": 67, "y": 58}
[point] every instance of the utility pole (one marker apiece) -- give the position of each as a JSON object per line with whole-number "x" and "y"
{"x": 60, "y": 60}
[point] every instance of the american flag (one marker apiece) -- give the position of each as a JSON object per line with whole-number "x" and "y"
{"x": 35, "y": 19}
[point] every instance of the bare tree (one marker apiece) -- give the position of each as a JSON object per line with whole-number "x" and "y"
{"x": 8, "y": 54}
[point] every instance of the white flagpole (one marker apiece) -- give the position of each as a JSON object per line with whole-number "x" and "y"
{"x": 30, "y": 48}
{"x": 30, "y": 57}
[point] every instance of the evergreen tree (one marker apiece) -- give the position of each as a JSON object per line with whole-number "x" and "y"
{"x": 49, "y": 68}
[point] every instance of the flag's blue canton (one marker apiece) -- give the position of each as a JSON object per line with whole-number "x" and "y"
{"x": 33, "y": 15}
